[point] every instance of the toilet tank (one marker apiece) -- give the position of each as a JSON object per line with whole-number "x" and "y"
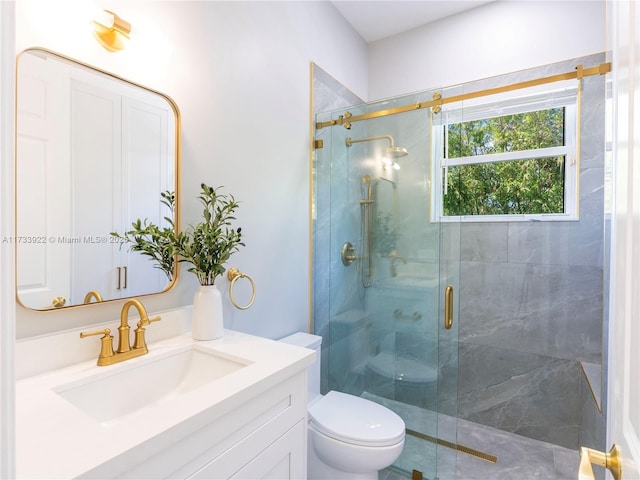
{"x": 314, "y": 342}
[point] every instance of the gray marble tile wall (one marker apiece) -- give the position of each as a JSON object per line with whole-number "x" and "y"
{"x": 593, "y": 424}
{"x": 532, "y": 304}
{"x": 535, "y": 396}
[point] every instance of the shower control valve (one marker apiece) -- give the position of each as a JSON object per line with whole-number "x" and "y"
{"x": 348, "y": 254}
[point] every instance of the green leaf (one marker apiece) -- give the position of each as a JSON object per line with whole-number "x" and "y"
{"x": 205, "y": 246}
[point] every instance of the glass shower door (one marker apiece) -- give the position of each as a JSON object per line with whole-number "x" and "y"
{"x": 387, "y": 267}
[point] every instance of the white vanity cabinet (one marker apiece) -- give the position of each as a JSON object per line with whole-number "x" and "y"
{"x": 274, "y": 448}
{"x": 264, "y": 437}
{"x": 237, "y": 409}
{"x": 285, "y": 458}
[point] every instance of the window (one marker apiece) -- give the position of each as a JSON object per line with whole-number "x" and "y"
{"x": 507, "y": 160}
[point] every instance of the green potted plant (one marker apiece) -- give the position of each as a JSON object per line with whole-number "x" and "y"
{"x": 206, "y": 246}
{"x": 153, "y": 241}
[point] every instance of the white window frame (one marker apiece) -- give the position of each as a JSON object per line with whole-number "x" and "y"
{"x": 564, "y": 97}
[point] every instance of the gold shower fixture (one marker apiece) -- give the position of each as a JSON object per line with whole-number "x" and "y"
{"x": 111, "y": 31}
{"x": 390, "y": 153}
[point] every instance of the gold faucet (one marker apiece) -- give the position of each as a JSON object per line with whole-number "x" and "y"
{"x": 125, "y": 351}
{"x": 92, "y": 294}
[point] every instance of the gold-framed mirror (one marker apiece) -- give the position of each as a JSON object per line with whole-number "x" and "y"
{"x": 94, "y": 152}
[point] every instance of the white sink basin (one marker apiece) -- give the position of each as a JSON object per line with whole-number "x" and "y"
{"x": 120, "y": 390}
{"x": 84, "y": 421}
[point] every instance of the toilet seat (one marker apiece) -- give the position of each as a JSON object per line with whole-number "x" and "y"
{"x": 356, "y": 421}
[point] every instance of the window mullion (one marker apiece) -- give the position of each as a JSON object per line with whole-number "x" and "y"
{"x": 445, "y": 159}
{"x": 509, "y": 156}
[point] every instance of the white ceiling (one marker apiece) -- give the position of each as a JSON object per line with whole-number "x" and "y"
{"x": 378, "y": 19}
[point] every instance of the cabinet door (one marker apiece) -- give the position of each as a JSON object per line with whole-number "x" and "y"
{"x": 283, "y": 459}
{"x": 96, "y": 163}
{"x": 120, "y": 160}
{"x": 146, "y": 158}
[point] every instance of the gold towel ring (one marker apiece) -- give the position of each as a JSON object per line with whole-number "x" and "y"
{"x": 234, "y": 274}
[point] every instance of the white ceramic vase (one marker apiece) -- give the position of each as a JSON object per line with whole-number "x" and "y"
{"x": 207, "y": 322}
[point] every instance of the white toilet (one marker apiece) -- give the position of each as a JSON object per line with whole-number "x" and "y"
{"x": 349, "y": 437}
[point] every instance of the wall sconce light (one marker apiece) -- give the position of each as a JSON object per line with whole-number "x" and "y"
{"x": 111, "y": 31}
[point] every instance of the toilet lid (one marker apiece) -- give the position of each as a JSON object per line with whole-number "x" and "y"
{"x": 356, "y": 420}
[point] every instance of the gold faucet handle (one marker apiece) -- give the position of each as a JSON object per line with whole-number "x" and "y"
{"x": 106, "y": 349}
{"x": 139, "y": 340}
{"x": 146, "y": 321}
{"x": 104, "y": 332}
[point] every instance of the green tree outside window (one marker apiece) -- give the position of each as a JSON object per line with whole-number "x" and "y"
{"x": 526, "y": 186}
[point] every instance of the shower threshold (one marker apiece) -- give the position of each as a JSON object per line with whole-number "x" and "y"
{"x": 518, "y": 457}
{"x": 454, "y": 446}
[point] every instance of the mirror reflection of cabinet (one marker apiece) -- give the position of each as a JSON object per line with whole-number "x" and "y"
{"x": 116, "y": 131}
{"x": 94, "y": 154}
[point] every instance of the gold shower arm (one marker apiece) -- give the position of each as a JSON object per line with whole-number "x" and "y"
{"x": 350, "y": 141}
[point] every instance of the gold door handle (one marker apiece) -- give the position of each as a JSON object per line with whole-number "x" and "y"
{"x": 610, "y": 461}
{"x": 448, "y": 307}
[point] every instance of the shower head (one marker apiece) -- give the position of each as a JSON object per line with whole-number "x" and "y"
{"x": 389, "y": 154}
{"x": 395, "y": 152}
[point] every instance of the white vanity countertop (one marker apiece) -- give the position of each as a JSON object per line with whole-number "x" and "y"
{"x": 57, "y": 440}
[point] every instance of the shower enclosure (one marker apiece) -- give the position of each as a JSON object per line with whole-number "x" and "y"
{"x": 389, "y": 266}
{"x": 457, "y": 323}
